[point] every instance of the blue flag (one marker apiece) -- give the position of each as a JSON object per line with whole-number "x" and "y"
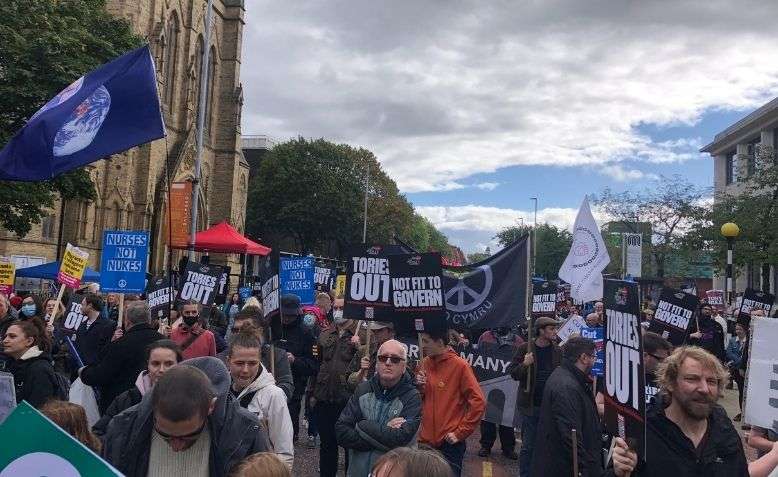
{"x": 107, "y": 111}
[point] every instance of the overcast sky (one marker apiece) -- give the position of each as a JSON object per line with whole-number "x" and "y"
{"x": 473, "y": 107}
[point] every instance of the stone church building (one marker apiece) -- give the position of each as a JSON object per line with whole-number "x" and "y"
{"x": 131, "y": 187}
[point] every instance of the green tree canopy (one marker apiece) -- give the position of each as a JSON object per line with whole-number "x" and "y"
{"x": 551, "y": 246}
{"x": 312, "y": 193}
{"x": 46, "y": 45}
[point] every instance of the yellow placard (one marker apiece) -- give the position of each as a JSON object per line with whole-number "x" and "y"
{"x": 73, "y": 265}
{"x": 7, "y": 275}
{"x": 340, "y": 286}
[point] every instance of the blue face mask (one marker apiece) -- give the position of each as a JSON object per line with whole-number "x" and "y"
{"x": 28, "y": 310}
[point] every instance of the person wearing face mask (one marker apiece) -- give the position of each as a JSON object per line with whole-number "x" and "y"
{"x": 330, "y": 392}
{"x": 31, "y": 306}
{"x": 95, "y": 332}
{"x": 194, "y": 340}
{"x": 160, "y": 356}
{"x": 499, "y": 337}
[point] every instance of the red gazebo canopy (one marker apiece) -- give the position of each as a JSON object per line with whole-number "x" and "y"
{"x": 223, "y": 238}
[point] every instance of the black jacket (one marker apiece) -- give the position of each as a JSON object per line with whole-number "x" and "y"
{"x": 124, "y": 359}
{"x": 294, "y": 338}
{"x": 91, "y": 342}
{"x": 123, "y": 401}
{"x": 235, "y": 432}
{"x": 712, "y": 337}
{"x": 518, "y": 371}
{"x": 669, "y": 450}
{"x": 362, "y": 428}
{"x": 568, "y": 403}
{"x": 336, "y": 352}
{"x": 34, "y": 379}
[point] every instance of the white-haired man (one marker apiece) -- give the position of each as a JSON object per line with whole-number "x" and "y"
{"x": 383, "y": 413}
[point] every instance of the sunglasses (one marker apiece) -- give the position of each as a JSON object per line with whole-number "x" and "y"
{"x": 393, "y": 359}
{"x": 187, "y": 437}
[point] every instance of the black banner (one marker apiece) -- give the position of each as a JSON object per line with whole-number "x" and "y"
{"x": 324, "y": 278}
{"x": 73, "y": 315}
{"x": 754, "y": 300}
{"x": 224, "y": 285}
{"x": 200, "y": 283}
{"x": 160, "y": 295}
{"x": 625, "y": 401}
{"x": 417, "y": 291}
{"x": 674, "y": 312}
{"x": 544, "y": 299}
{"x": 368, "y": 284}
{"x": 269, "y": 283}
{"x": 491, "y": 293}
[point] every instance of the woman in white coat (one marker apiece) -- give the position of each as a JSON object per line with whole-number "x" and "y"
{"x": 255, "y": 388}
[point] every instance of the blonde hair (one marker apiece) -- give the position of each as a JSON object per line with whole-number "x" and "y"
{"x": 252, "y": 301}
{"x": 668, "y": 370}
{"x": 409, "y": 462}
{"x": 262, "y": 464}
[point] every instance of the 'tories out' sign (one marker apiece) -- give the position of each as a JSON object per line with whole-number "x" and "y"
{"x": 123, "y": 262}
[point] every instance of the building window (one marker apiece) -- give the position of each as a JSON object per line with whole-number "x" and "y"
{"x": 171, "y": 37}
{"x": 211, "y": 88}
{"x": 731, "y": 168}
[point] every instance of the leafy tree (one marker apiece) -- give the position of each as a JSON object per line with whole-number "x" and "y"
{"x": 552, "y": 245}
{"x": 47, "y": 44}
{"x": 672, "y": 207}
{"x": 477, "y": 257}
{"x": 309, "y": 195}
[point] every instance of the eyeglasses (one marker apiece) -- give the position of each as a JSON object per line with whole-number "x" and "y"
{"x": 393, "y": 359}
{"x": 187, "y": 437}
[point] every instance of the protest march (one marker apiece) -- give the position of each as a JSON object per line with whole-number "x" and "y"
{"x": 180, "y": 299}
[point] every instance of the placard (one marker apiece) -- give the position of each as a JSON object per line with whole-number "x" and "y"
{"x": 340, "y": 286}
{"x": 73, "y": 265}
{"x": 7, "y": 395}
{"x": 417, "y": 291}
{"x": 544, "y": 299}
{"x": 625, "y": 392}
{"x": 572, "y": 326}
{"x": 761, "y": 395}
{"x": 296, "y": 276}
{"x": 674, "y": 313}
{"x": 244, "y": 293}
{"x": 715, "y": 298}
{"x": 160, "y": 296}
{"x": 368, "y": 284}
{"x": 73, "y": 315}
{"x": 123, "y": 261}
{"x": 7, "y": 275}
{"x": 596, "y": 334}
{"x": 633, "y": 254}
{"x": 324, "y": 277}
{"x": 268, "y": 278}
{"x": 200, "y": 283}
{"x": 754, "y": 300}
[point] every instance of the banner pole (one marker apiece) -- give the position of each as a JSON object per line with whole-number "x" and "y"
{"x": 575, "y": 453}
{"x": 421, "y": 349}
{"x": 59, "y": 301}
{"x": 121, "y": 311}
{"x": 367, "y": 342}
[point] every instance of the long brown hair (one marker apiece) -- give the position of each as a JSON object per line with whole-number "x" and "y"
{"x": 35, "y": 328}
{"x": 262, "y": 464}
{"x": 72, "y": 419}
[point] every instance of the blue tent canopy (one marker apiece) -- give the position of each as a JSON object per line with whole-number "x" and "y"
{"x": 49, "y": 271}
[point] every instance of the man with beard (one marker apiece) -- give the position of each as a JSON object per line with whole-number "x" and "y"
{"x": 687, "y": 432}
{"x": 568, "y": 403}
{"x": 194, "y": 340}
{"x": 706, "y": 333}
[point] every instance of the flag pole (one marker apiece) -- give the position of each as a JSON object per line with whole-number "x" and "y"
{"x": 201, "y": 105}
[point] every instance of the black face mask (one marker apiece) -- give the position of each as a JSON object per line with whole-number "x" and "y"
{"x": 190, "y": 320}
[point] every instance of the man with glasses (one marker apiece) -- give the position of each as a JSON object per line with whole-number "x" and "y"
{"x": 384, "y": 412}
{"x": 188, "y": 425}
{"x": 655, "y": 350}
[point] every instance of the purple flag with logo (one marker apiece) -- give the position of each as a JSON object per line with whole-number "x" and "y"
{"x": 107, "y": 111}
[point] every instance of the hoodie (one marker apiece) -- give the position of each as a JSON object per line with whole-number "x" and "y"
{"x": 34, "y": 377}
{"x": 268, "y": 402}
{"x": 235, "y": 432}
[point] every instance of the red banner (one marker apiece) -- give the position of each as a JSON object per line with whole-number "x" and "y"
{"x": 181, "y": 214}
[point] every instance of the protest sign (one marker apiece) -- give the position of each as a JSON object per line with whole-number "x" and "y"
{"x": 754, "y": 300}
{"x": 417, "y": 292}
{"x": 633, "y": 254}
{"x": 715, "y": 298}
{"x": 324, "y": 277}
{"x": 491, "y": 293}
{"x": 597, "y": 335}
{"x": 490, "y": 363}
{"x": 625, "y": 400}
{"x": 160, "y": 296}
{"x": 544, "y": 299}
{"x": 674, "y": 312}
{"x": 368, "y": 284}
{"x": 40, "y": 447}
{"x": 244, "y": 293}
{"x": 7, "y": 275}
{"x": 296, "y": 278}
{"x": 199, "y": 283}
{"x": 123, "y": 261}
{"x": 224, "y": 285}
{"x": 74, "y": 317}
{"x": 268, "y": 278}
{"x": 7, "y": 395}
{"x": 572, "y": 326}
{"x": 72, "y": 268}
{"x": 761, "y": 395}
{"x": 340, "y": 286}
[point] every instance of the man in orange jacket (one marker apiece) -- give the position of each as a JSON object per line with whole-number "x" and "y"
{"x": 453, "y": 403}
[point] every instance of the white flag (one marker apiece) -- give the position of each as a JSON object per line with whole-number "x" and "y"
{"x": 587, "y": 258}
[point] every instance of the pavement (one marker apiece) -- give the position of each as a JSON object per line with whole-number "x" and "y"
{"x": 306, "y": 461}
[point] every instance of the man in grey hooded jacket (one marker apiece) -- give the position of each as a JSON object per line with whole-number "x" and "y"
{"x": 234, "y": 433}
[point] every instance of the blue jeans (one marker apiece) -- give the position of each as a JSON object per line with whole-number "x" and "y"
{"x": 529, "y": 427}
{"x": 454, "y": 454}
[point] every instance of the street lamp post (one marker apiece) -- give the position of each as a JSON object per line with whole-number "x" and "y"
{"x": 730, "y": 231}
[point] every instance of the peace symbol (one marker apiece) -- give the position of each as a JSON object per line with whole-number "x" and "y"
{"x": 461, "y": 289}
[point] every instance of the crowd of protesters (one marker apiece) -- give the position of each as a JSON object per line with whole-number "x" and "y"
{"x": 223, "y": 391}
